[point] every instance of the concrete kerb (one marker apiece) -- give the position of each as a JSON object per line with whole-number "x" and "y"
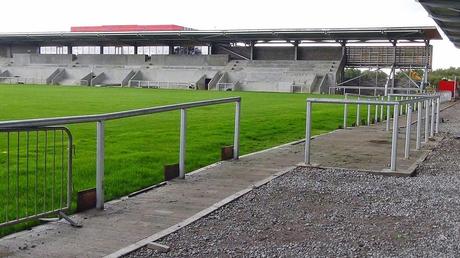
{"x": 197, "y": 216}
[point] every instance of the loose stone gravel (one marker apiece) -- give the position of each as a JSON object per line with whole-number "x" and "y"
{"x": 337, "y": 212}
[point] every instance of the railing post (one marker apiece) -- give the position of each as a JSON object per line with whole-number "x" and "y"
{"x": 408, "y": 130}
{"x": 419, "y": 126}
{"x": 387, "y": 128}
{"x": 438, "y": 103}
{"x": 183, "y": 142}
{"x": 427, "y": 120}
{"x": 376, "y": 113}
{"x": 401, "y": 107}
{"x": 308, "y": 133}
{"x": 345, "y": 113}
{"x": 100, "y": 166}
{"x": 368, "y": 113}
{"x": 69, "y": 169}
{"x": 394, "y": 139}
{"x": 432, "y": 118}
{"x": 407, "y": 105}
{"x": 381, "y": 109}
{"x": 358, "y": 107}
{"x": 236, "y": 137}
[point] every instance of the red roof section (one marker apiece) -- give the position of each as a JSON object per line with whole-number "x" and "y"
{"x": 127, "y": 28}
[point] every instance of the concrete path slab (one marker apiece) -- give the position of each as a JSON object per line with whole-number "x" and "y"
{"x": 130, "y": 220}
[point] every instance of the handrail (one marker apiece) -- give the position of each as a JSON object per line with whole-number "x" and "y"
{"x": 112, "y": 116}
{"x": 351, "y": 101}
{"x": 373, "y": 88}
{"x": 101, "y": 118}
{"x": 412, "y": 103}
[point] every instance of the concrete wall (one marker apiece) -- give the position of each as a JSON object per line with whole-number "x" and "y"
{"x": 21, "y": 59}
{"x": 115, "y": 60}
{"x": 4, "y": 51}
{"x": 267, "y": 87}
{"x": 320, "y": 53}
{"x": 274, "y": 53}
{"x": 25, "y": 50}
{"x": 184, "y": 60}
{"x": 284, "y": 53}
{"x": 244, "y": 51}
{"x": 51, "y": 59}
{"x": 28, "y": 59}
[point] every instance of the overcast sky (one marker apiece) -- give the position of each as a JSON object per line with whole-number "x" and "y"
{"x": 58, "y": 15}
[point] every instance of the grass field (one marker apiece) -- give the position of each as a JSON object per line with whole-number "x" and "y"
{"x": 138, "y": 148}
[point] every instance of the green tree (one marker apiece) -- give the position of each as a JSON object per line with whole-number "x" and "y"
{"x": 435, "y": 76}
{"x": 351, "y": 73}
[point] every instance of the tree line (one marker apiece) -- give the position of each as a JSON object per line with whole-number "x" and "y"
{"x": 416, "y": 74}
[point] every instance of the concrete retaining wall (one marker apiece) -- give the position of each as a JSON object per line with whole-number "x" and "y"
{"x": 274, "y": 53}
{"x": 25, "y": 49}
{"x": 183, "y": 60}
{"x": 4, "y": 52}
{"x": 320, "y": 53}
{"x": 38, "y": 59}
{"x": 112, "y": 60}
{"x": 268, "y": 87}
{"x": 41, "y": 73}
{"x": 51, "y": 59}
{"x": 244, "y": 51}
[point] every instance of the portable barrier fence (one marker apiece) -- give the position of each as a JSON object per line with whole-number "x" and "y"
{"x": 37, "y": 173}
{"x": 41, "y": 125}
{"x": 397, "y": 104}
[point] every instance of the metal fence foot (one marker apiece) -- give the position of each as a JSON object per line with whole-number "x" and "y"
{"x": 68, "y": 219}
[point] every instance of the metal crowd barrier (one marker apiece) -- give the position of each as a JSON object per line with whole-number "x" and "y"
{"x": 161, "y": 85}
{"x": 101, "y": 118}
{"x": 21, "y": 80}
{"x": 401, "y": 103}
{"x": 37, "y": 180}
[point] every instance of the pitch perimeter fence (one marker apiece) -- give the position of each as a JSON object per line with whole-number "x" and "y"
{"x": 396, "y": 104}
{"x": 38, "y": 172}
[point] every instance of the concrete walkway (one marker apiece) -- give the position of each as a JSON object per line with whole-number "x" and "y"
{"x": 129, "y": 220}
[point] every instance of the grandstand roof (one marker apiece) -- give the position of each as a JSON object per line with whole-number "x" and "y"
{"x": 446, "y": 13}
{"x": 402, "y": 34}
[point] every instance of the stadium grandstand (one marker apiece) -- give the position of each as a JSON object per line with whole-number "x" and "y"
{"x": 172, "y": 56}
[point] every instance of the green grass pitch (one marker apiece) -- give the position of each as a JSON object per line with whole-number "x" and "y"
{"x": 137, "y": 148}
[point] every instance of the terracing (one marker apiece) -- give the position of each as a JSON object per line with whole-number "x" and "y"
{"x": 197, "y": 72}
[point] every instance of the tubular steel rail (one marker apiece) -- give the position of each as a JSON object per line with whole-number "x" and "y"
{"x": 38, "y": 175}
{"x": 344, "y": 89}
{"x": 401, "y": 103}
{"x": 101, "y": 118}
{"x": 22, "y": 80}
{"x": 161, "y": 85}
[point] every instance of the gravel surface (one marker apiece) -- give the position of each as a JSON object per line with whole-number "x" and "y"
{"x": 336, "y": 212}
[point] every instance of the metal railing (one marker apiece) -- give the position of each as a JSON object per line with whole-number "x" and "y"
{"x": 37, "y": 180}
{"x": 22, "y": 80}
{"x": 401, "y": 103}
{"x": 161, "y": 85}
{"x": 101, "y": 118}
{"x": 225, "y": 86}
{"x": 376, "y": 90}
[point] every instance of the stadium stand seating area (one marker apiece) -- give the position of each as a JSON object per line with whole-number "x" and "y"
{"x": 207, "y": 72}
